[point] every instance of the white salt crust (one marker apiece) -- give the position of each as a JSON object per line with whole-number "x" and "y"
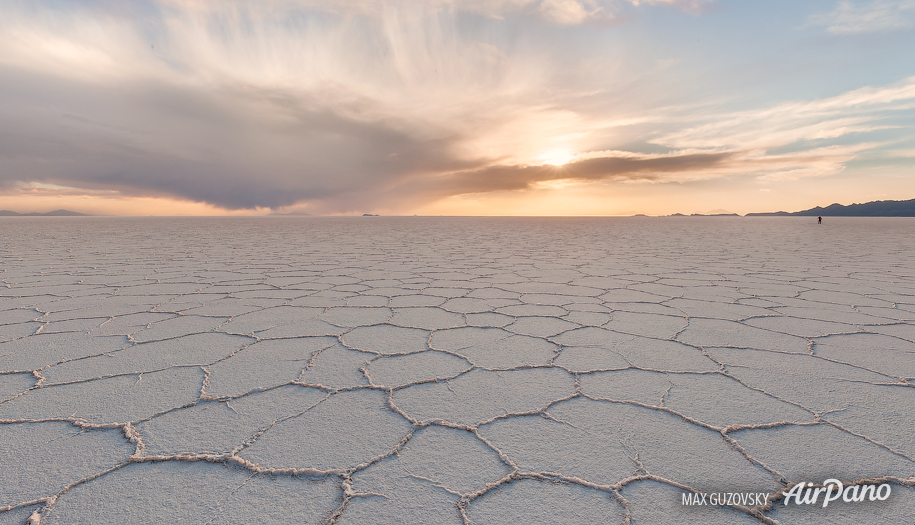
{"x": 451, "y": 370}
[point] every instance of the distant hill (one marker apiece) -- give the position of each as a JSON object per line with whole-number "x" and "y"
{"x": 867, "y": 209}
{"x": 55, "y": 213}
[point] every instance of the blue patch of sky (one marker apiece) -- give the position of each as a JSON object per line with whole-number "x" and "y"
{"x": 762, "y": 52}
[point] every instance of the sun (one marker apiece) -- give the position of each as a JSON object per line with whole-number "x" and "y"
{"x": 556, "y": 157}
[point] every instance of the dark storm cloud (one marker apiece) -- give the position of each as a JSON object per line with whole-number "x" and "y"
{"x": 236, "y": 148}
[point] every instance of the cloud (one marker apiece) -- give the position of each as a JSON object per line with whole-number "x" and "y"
{"x": 866, "y": 17}
{"x": 239, "y": 148}
{"x": 798, "y": 123}
{"x": 781, "y": 142}
{"x": 565, "y": 12}
{"x": 241, "y": 110}
{"x": 680, "y": 166}
{"x": 358, "y": 105}
{"x": 629, "y": 167}
{"x": 686, "y": 5}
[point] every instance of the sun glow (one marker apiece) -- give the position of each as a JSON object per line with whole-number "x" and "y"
{"x": 556, "y": 157}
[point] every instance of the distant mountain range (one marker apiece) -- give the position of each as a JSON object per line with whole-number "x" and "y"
{"x": 867, "y": 209}
{"x": 55, "y": 213}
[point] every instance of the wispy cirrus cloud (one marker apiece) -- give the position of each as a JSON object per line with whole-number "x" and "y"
{"x": 858, "y": 111}
{"x": 565, "y": 12}
{"x": 867, "y": 17}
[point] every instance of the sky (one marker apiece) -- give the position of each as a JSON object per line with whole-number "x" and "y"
{"x": 460, "y": 107}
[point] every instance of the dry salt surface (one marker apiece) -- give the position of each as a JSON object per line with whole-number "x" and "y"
{"x": 452, "y": 370}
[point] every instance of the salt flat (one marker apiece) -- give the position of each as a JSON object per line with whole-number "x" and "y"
{"x": 452, "y": 370}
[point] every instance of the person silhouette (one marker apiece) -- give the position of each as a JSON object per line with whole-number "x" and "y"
{"x": 819, "y": 220}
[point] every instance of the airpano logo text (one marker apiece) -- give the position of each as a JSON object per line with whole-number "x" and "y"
{"x": 832, "y": 489}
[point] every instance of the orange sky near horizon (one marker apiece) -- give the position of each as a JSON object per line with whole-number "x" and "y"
{"x": 572, "y": 199}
